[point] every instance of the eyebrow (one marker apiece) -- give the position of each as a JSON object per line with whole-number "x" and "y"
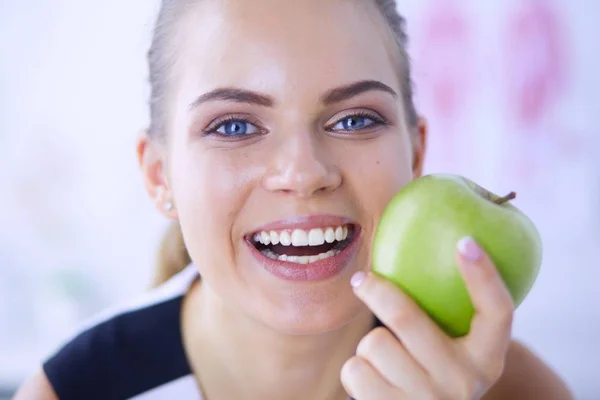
{"x": 235, "y": 95}
{"x": 335, "y": 95}
{"x": 354, "y": 89}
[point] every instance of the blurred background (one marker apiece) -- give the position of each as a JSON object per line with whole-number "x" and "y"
{"x": 509, "y": 87}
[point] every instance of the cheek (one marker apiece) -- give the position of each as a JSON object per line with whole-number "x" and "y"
{"x": 208, "y": 191}
{"x": 382, "y": 171}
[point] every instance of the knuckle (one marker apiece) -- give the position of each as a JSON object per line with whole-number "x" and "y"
{"x": 404, "y": 316}
{"x": 466, "y": 388}
{"x": 351, "y": 369}
{"x": 373, "y": 342}
{"x": 507, "y": 304}
{"x": 504, "y": 315}
{"x": 489, "y": 275}
{"x": 494, "y": 371}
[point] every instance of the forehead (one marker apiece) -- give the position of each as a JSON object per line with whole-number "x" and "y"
{"x": 284, "y": 48}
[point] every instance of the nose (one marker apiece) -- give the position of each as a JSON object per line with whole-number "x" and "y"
{"x": 303, "y": 167}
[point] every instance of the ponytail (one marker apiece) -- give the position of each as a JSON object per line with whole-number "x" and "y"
{"x": 172, "y": 257}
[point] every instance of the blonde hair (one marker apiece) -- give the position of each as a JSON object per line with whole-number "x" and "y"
{"x": 173, "y": 256}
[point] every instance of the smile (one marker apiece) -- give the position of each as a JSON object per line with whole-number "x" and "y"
{"x": 302, "y": 246}
{"x": 314, "y": 248}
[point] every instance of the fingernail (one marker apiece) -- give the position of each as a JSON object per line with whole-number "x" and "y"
{"x": 469, "y": 249}
{"x": 357, "y": 279}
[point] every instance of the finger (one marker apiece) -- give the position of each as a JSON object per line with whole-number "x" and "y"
{"x": 362, "y": 382}
{"x": 489, "y": 336}
{"x": 387, "y": 355}
{"x": 419, "y": 334}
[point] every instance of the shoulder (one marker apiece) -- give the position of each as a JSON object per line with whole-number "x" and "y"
{"x": 526, "y": 377}
{"x": 124, "y": 351}
{"x": 36, "y": 388}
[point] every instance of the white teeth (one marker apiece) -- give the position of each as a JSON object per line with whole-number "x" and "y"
{"x": 265, "y": 238}
{"x": 275, "y": 237}
{"x": 316, "y": 237}
{"x": 312, "y": 259}
{"x": 299, "y": 238}
{"x": 329, "y": 235}
{"x": 339, "y": 234}
{"x": 284, "y": 238}
{"x": 303, "y": 260}
{"x": 300, "y": 259}
{"x": 270, "y": 254}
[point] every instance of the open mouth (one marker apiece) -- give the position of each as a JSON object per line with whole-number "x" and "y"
{"x": 304, "y": 246}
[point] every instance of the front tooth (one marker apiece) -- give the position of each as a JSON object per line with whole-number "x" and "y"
{"x": 299, "y": 238}
{"x": 265, "y": 238}
{"x": 292, "y": 258}
{"x": 316, "y": 237}
{"x": 303, "y": 260}
{"x": 274, "y": 237}
{"x": 283, "y": 257}
{"x": 284, "y": 238}
{"x": 339, "y": 234}
{"x": 345, "y": 232}
{"x": 329, "y": 235}
{"x": 312, "y": 259}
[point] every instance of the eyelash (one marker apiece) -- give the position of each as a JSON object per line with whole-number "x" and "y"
{"x": 377, "y": 120}
{"x": 212, "y": 129}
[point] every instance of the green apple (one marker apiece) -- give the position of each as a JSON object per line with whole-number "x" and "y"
{"x": 415, "y": 245}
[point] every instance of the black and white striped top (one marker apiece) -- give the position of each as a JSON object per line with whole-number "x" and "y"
{"x": 134, "y": 352}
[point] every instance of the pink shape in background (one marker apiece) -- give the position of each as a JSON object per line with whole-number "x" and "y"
{"x": 536, "y": 61}
{"x": 443, "y": 59}
{"x": 444, "y": 54}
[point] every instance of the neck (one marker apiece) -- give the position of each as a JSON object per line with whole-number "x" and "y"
{"x": 235, "y": 357}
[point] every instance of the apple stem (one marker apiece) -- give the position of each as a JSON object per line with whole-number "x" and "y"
{"x": 508, "y": 197}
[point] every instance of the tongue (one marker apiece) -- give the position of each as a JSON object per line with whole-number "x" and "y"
{"x": 301, "y": 251}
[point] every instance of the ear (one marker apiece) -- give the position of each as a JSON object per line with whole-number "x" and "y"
{"x": 420, "y": 147}
{"x": 152, "y": 158}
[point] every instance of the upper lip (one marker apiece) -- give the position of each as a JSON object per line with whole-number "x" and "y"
{"x": 306, "y": 222}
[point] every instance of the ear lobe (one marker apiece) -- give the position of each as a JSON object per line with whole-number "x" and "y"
{"x": 420, "y": 135}
{"x": 152, "y": 161}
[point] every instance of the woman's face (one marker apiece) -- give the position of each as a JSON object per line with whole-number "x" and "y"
{"x": 287, "y": 119}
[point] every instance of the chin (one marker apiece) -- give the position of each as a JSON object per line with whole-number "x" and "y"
{"x": 308, "y": 308}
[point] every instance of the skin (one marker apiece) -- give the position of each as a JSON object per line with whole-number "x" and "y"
{"x": 277, "y": 339}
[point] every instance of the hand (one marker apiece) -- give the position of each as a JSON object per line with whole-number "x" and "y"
{"x": 413, "y": 358}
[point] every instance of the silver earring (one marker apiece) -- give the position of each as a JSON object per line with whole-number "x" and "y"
{"x": 168, "y": 206}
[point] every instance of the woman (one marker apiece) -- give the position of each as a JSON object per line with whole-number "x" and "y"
{"x": 279, "y": 132}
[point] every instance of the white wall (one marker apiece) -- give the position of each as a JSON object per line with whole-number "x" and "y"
{"x": 77, "y": 232}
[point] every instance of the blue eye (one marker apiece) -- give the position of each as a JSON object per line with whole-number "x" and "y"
{"x": 354, "y": 122}
{"x": 236, "y": 127}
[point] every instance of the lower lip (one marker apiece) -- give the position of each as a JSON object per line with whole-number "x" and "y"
{"x": 317, "y": 271}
